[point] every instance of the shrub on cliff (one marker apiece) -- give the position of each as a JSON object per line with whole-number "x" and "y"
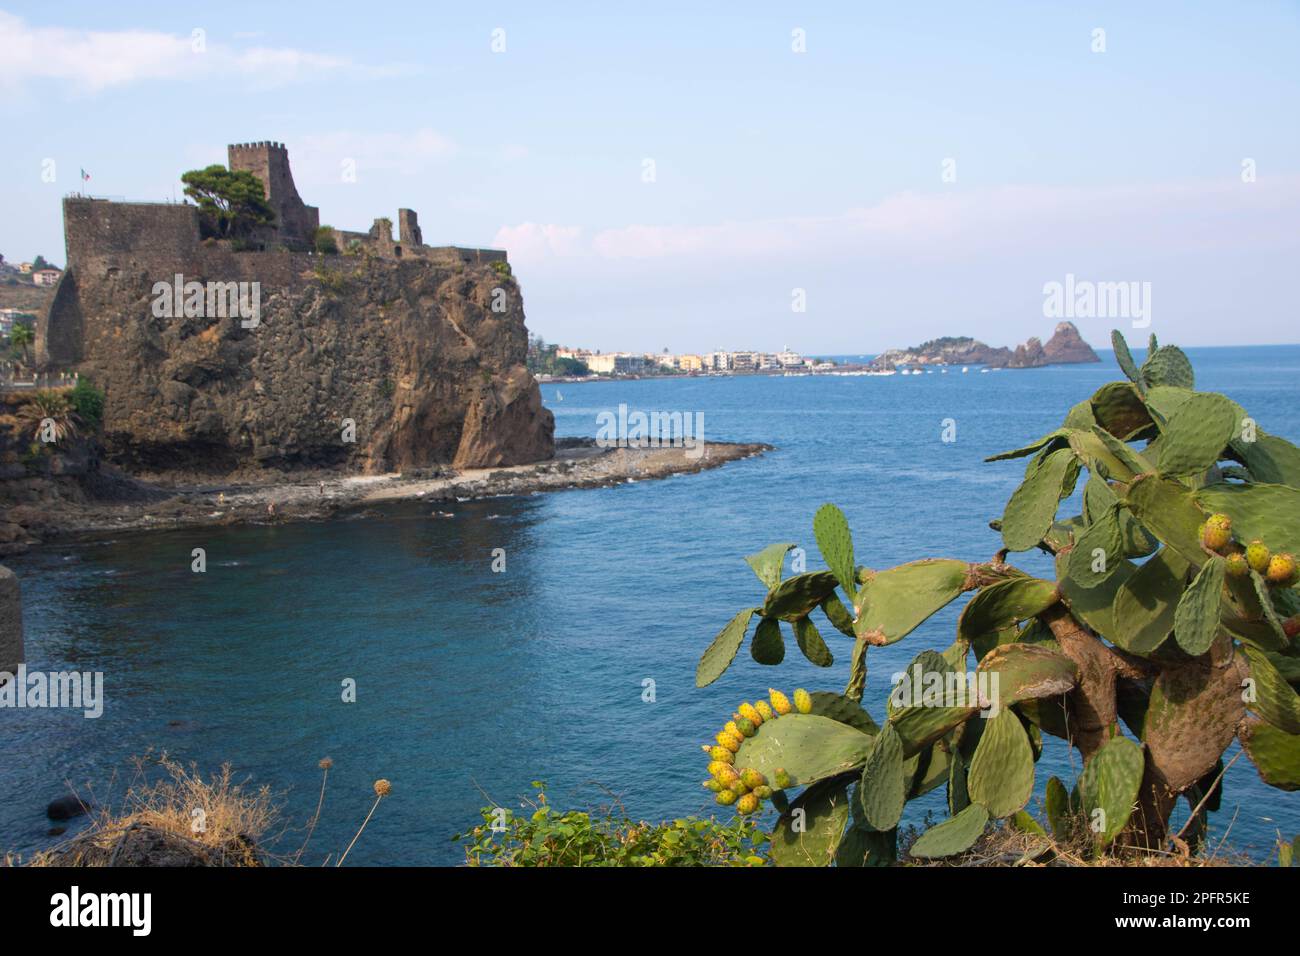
{"x": 231, "y": 204}
{"x": 88, "y": 402}
{"x": 48, "y": 416}
{"x": 323, "y": 241}
{"x": 550, "y": 837}
{"x": 1172, "y": 610}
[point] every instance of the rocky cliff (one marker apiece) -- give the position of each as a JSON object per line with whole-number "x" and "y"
{"x": 1065, "y": 347}
{"x": 357, "y": 362}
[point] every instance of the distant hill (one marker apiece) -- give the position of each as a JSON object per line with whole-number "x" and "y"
{"x": 1065, "y": 347}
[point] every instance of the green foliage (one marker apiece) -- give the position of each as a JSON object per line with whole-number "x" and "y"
{"x": 231, "y": 204}
{"x": 1205, "y": 656}
{"x": 322, "y": 240}
{"x": 551, "y": 837}
{"x": 542, "y": 358}
{"x": 21, "y": 339}
{"x": 502, "y": 268}
{"x": 334, "y": 281}
{"x": 88, "y": 402}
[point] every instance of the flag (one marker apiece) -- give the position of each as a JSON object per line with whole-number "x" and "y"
{"x": 85, "y": 176}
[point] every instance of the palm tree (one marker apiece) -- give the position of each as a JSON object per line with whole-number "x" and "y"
{"x": 20, "y": 342}
{"x": 45, "y": 406}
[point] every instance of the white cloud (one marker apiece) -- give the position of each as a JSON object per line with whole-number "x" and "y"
{"x": 90, "y": 61}
{"x": 954, "y": 226}
{"x": 318, "y": 158}
{"x": 532, "y": 241}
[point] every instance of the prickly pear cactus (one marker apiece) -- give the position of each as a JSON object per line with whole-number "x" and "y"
{"x": 1169, "y": 630}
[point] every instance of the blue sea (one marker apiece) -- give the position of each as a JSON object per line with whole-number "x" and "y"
{"x": 470, "y": 684}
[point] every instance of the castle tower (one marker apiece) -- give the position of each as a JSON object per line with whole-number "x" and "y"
{"x": 408, "y": 228}
{"x": 269, "y": 162}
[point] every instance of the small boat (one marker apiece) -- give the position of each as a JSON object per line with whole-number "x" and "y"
{"x": 965, "y": 369}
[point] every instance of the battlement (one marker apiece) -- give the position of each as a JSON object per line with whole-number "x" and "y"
{"x": 262, "y": 145}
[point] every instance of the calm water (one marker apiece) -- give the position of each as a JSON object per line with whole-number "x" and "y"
{"x": 472, "y": 682}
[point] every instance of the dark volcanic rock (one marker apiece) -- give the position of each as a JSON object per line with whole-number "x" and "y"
{"x": 1029, "y": 355}
{"x": 67, "y": 807}
{"x": 409, "y": 350}
{"x": 1065, "y": 346}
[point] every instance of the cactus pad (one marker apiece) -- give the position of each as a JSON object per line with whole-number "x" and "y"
{"x": 1146, "y": 604}
{"x": 811, "y": 838}
{"x": 768, "y": 646}
{"x": 836, "y": 544}
{"x": 1032, "y": 508}
{"x": 794, "y": 597}
{"x": 1029, "y": 672}
{"x": 894, "y": 602}
{"x": 1003, "y": 604}
{"x": 1276, "y": 754}
{"x": 1196, "y": 619}
{"x": 811, "y": 643}
{"x": 1275, "y": 700}
{"x": 1110, "y": 783}
{"x": 807, "y": 746}
{"x": 1197, "y": 433}
{"x": 719, "y": 655}
{"x": 955, "y": 835}
{"x": 883, "y": 789}
{"x": 1002, "y": 771}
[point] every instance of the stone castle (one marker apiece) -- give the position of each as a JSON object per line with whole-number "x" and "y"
{"x": 106, "y": 237}
{"x": 421, "y": 349}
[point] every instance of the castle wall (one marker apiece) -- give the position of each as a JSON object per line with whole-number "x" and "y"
{"x": 95, "y": 229}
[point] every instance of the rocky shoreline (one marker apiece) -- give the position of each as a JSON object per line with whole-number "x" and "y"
{"x": 133, "y": 504}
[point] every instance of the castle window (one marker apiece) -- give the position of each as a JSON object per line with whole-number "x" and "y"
{"x": 397, "y": 251}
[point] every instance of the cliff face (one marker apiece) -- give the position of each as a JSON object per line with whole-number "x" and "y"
{"x": 409, "y": 351}
{"x": 1065, "y": 347}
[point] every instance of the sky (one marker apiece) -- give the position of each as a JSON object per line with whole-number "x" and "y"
{"x": 838, "y": 178}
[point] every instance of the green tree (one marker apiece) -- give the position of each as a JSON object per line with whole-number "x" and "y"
{"x": 20, "y": 343}
{"x": 231, "y": 204}
{"x": 39, "y": 263}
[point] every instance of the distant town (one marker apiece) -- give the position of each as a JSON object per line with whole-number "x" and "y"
{"x": 550, "y": 362}
{"x": 559, "y": 362}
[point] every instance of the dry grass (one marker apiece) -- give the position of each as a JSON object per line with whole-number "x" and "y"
{"x": 171, "y": 816}
{"x": 1007, "y": 845}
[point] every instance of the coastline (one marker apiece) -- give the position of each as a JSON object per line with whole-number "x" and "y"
{"x": 155, "y": 506}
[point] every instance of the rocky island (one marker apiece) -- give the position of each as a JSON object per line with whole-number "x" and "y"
{"x": 1065, "y": 347}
